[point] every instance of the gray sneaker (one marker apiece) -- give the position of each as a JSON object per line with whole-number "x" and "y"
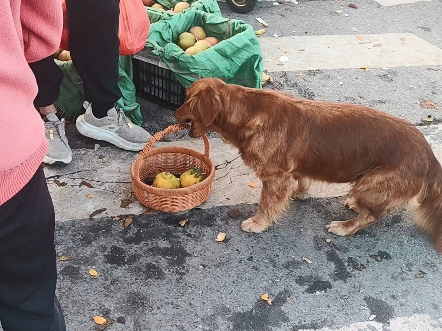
{"x": 115, "y": 128}
{"x": 59, "y": 150}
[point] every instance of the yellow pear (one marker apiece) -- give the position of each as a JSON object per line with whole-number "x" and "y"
{"x": 186, "y": 39}
{"x": 198, "y": 32}
{"x": 192, "y": 50}
{"x": 202, "y": 44}
{"x": 180, "y": 6}
{"x": 166, "y": 180}
{"x": 157, "y": 6}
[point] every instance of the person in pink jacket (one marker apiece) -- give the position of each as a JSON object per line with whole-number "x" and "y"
{"x": 30, "y": 31}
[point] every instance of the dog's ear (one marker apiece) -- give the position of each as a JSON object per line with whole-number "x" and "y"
{"x": 208, "y": 102}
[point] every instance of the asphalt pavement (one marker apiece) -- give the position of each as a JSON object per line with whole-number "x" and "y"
{"x": 153, "y": 273}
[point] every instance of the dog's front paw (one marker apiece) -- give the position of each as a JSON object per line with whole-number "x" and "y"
{"x": 340, "y": 228}
{"x": 249, "y": 225}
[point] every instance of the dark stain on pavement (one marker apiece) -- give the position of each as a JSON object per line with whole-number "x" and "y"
{"x": 310, "y": 326}
{"x": 262, "y": 317}
{"x": 391, "y": 221}
{"x": 117, "y": 256}
{"x": 383, "y": 311}
{"x": 175, "y": 256}
{"x": 153, "y": 271}
{"x": 355, "y": 264}
{"x": 313, "y": 283}
{"x": 340, "y": 272}
{"x": 71, "y": 272}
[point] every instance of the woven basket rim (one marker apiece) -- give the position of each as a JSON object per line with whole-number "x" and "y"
{"x": 178, "y": 191}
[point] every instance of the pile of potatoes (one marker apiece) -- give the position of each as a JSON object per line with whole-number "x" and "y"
{"x": 195, "y": 41}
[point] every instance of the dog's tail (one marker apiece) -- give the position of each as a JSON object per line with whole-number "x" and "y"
{"x": 428, "y": 214}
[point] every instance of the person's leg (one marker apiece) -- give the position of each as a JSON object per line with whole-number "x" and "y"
{"x": 27, "y": 261}
{"x": 49, "y": 77}
{"x": 94, "y": 46}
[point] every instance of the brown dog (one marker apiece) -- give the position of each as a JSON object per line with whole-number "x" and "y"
{"x": 283, "y": 139}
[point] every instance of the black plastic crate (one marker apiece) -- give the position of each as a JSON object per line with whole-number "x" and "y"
{"x": 157, "y": 83}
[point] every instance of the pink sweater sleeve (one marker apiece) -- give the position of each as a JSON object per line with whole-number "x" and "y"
{"x": 42, "y": 22}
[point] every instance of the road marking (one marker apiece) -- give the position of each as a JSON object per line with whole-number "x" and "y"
{"x": 348, "y": 51}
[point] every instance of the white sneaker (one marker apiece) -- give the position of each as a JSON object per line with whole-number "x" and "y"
{"x": 115, "y": 128}
{"x": 58, "y": 150}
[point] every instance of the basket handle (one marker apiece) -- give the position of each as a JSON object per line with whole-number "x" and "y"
{"x": 171, "y": 129}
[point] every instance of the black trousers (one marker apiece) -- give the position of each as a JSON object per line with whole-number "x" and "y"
{"x": 49, "y": 77}
{"x": 27, "y": 261}
{"x": 94, "y": 46}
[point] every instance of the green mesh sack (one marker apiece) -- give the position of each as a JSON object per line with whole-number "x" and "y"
{"x": 70, "y": 102}
{"x": 208, "y": 6}
{"x": 236, "y": 59}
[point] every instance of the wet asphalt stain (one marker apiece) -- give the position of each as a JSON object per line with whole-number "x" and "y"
{"x": 340, "y": 272}
{"x": 175, "y": 256}
{"x": 310, "y": 326}
{"x": 320, "y": 243}
{"x": 301, "y": 90}
{"x": 153, "y": 271}
{"x": 293, "y": 264}
{"x": 138, "y": 301}
{"x": 117, "y": 256}
{"x": 313, "y": 283}
{"x": 382, "y": 310}
{"x": 262, "y": 317}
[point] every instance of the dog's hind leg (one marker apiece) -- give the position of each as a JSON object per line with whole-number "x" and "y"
{"x": 372, "y": 196}
{"x": 275, "y": 197}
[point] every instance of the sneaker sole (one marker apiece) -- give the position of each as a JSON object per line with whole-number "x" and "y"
{"x": 97, "y": 133}
{"x": 49, "y": 160}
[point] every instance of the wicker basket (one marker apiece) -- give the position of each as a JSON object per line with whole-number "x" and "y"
{"x": 151, "y": 161}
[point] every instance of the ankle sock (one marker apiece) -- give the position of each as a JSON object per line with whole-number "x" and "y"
{"x": 100, "y": 109}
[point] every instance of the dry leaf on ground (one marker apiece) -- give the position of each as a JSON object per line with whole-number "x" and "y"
{"x": 99, "y": 320}
{"x": 89, "y": 196}
{"x": 260, "y": 20}
{"x": 221, "y": 236}
{"x": 64, "y": 258}
{"x": 260, "y": 32}
{"x": 98, "y": 211}
{"x": 93, "y": 273}
{"x": 85, "y": 183}
{"x": 361, "y": 38}
{"x": 352, "y": 6}
{"x": 125, "y": 203}
{"x": 365, "y": 68}
{"x": 183, "y": 222}
{"x": 252, "y": 184}
{"x": 60, "y": 183}
{"x": 128, "y": 221}
{"x": 265, "y": 297}
{"x": 429, "y": 105}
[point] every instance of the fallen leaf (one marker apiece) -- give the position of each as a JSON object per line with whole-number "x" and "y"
{"x": 93, "y": 273}
{"x": 338, "y": 11}
{"x": 64, "y": 258}
{"x": 125, "y": 203}
{"x": 260, "y": 20}
{"x": 99, "y": 320}
{"x": 127, "y": 221}
{"x": 89, "y": 196}
{"x": 365, "y": 68}
{"x": 98, "y": 211}
{"x": 354, "y": 29}
{"x": 328, "y": 240}
{"x": 85, "y": 183}
{"x": 116, "y": 218}
{"x": 352, "y": 6}
{"x": 419, "y": 275}
{"x": 378, "y": 45}
{"x": 101, "y": 156}
{"x": 221, "y": 236}
{"x": 254, "y": 185}
{"x": 299, "y": 75}
{"x": 429, "y": 104}
{"x": 402, "y": 39}
{"x": 183, "y": 222}
{"x": 260, "y": 32}
{"x": 265, "y": 78}
{"x": 376, "y": 257}
{"x": 265, "y": 297}
{"x": 361, "y": 38}
{"x": 60, "y": 183}
{"x": 307, "y": 260}
{"x": 288, "y": 299}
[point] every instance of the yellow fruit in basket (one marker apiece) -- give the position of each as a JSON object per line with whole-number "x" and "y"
{"x": 212, "y": 40}
{"x": 198, "y": 32}
{"x": 191, "y": 177}
{"x": 180, "y": 6}
{"x": 157, "y": 6}
{"x": 186, "y": 40}
{"x": 192, "y": 50}
{"x": 202, "y": 44}
{"x": 166, "y": 180}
